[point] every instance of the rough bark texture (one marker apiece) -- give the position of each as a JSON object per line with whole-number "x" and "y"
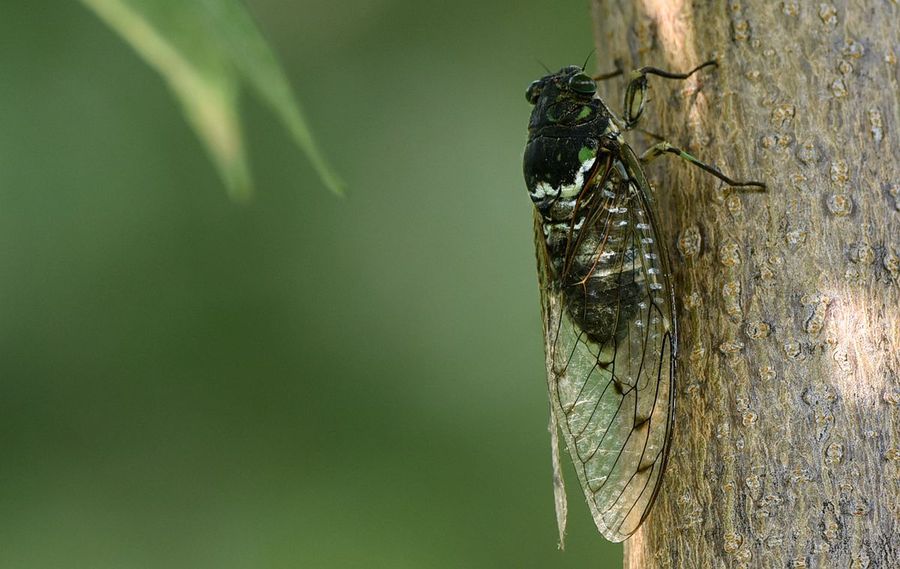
{"x": 786, "y": 450}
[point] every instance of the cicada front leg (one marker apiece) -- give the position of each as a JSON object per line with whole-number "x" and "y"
{"x": 636, "y": 91}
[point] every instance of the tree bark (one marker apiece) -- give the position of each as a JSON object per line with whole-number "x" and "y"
{"x": 786, "y": 450}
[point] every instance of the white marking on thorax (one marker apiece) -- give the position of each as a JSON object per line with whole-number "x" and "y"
{"x": 565, "y": 191}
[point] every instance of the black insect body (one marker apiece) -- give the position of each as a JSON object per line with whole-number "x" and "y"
{"x": 608, "y": 305}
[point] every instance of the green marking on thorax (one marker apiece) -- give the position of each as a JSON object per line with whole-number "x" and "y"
{"x": 586, "y": 153}
{"x": 585, "y": 113}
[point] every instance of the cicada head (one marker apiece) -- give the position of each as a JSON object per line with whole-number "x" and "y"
{"x": 562, "y": 98}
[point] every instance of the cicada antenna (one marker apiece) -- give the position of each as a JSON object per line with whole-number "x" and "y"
{"x": 586, "y": 59}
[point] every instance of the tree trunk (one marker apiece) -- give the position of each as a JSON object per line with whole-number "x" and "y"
{"x": 786, "y": 451}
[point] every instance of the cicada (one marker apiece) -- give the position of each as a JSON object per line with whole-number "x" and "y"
{"x": 608, "y": 304}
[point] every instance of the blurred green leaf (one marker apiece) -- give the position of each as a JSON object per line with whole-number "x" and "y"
{"x": 205, "y": 49}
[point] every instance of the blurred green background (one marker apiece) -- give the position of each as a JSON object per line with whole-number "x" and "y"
{"x": 303, "y": 381}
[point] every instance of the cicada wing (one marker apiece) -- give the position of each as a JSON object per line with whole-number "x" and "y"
{"x": 559, "y": 484}
{"x": 613, "y": 399}
{"x": 547, "y": 311}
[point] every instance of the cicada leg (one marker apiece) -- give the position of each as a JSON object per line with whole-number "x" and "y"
{"x": 661, "y": 148}
{"x": 604, "y": 76}
{"x": 635, "y": 97}
{"x": 637, "y": 89}
{"x": 619, "y": 70}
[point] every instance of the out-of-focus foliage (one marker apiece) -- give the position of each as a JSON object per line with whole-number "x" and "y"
{"x": 205, "y": 49}
{"x": 301, "y": 381}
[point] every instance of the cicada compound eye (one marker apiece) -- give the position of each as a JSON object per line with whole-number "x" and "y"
{"x": 582, "y": 83}
{"x": 533, "y": 91}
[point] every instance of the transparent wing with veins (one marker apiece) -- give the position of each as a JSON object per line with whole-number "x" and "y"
{"x": 612, "y": 396}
